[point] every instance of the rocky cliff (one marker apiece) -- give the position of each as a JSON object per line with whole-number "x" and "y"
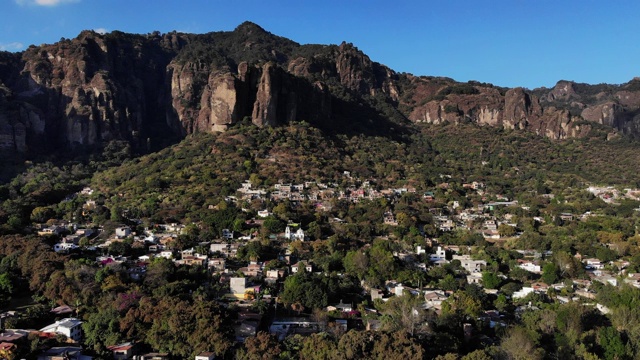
{"x": 87, "y": 91}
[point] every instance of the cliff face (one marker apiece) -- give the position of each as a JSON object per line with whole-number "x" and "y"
{"x": 89, "y": 90}
{"x": 557, "y": 113}
{"x": 96, "y": 88}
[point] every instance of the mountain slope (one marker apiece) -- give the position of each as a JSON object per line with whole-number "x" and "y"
{"x": 154, "y": 89}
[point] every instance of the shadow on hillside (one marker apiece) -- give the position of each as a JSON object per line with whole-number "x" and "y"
{"x": 357, "y": 118}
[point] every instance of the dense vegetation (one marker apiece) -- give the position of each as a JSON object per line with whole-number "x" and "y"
{"x": 177, "y": 308}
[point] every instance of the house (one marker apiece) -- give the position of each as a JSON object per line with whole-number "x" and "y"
{"x": 123, "y": 232}
{"x": 85, "y": 232}
{"x": 205, "y": 356}
{"x": 156, "y": 247}
{"x": 606, "y": 279}
{"x": 64, "y": 353}
{"x": 429, "y": 196}
{"x": 238, "y": 286}
{"x": 297, "y": 235}
{"x": 227, "y": 234}
{"x": 64, "y": 247}
{"x": 167, "y": 254}
{"x": 251, "y": 270}
{"x": 14, "y": 336}
{"x": 490, "y": 225}
{"x": 446, "y": 225}
{"x": 51, "y": 230}
{"x": 593, "y": 264}
{"x": 522, "y": 292}
{"x": 389, "y": 219}
{"x": 474, "y": 278}
{"x": 633, "y": 279}
{"x": 192, "y": 260}
{"x": 70, "y": 327}
{"x": 540, "y": 287}
{"x": 152, "y": 356}
{"x": 434, "y": 298}
{"x": 63, "y": 310}
{"x": 469, "y": 264}
{"x": 493, "y": 205}
{"x": 529, "y": 266}
{"x": 377, "y": 294}
{"x": 340, "y": 307}
{"x": 246, "y": 325}
{"x": 477, "y": 185}
{"x": 264, "y": 213}
{"x": 218, "y": 247}
{"x": 302, "y": 265}
{"x": 227, "y": 250}
{"x": 408, "y": 290}
{"x": 282, "y": 327}
{"x": 440, "y": 255}
{"x": 122, "y": 351}
{"x": 217, "y": 264}
{"x": 274, "y": 275}
{"x": 566, "y": 217}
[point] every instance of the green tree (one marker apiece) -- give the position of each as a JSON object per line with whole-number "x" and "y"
{"x": 480, "y": 354}
{"x": 405, "y": 313}
{"x": 273, "y": 225}
{"x": 518, "y": 343}
{"x": 449, "y": 283}
{"x": 41, "y": 214}
{"x": 306, "y": 289}
{"x": 461, "y": 303}
{"x": 490, "y": 280}
{"x": 263, "y": 346}
{"x": 101, "y": 329}
{"x": 6, "y": 289}
{"x": 356, "y": 263}
{"x": 506, "y": 230}
{"x": 319, "y": 347}
{"x": 549, "y": 273}
{"x": 613, "y": 347}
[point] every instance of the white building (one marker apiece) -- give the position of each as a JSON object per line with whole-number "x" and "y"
{"x": 301, "y": 266}
{"x": 227, "y": 234}
{"x": 167, "y": 254}
{"x": 440, "y": 255}
{"x": 434, "y": 299}
{"x": 469, "y": 264}
{"x": 64, "y": 247}
{"x": 205, "y": 356}
{"x": 238, "y": 286}
{"x": 522, "y": 292}
{"x": 70, "y": 327}
{"x": 531, "y": 267}
{"x": 123, "y": 232}
{"x": 297, "y": 235}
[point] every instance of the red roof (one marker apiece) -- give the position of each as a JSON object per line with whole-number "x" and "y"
{"x": 7, "y": 346}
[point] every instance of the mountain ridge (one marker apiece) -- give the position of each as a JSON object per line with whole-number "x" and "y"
{"x": 154, "y": 89}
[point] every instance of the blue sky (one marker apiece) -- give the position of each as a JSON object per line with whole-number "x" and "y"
{"x": 528, "y": 43}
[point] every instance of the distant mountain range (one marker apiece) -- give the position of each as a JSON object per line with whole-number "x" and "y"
{"x": 153, "y": 89}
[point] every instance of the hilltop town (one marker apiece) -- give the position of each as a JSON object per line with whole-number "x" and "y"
{"x": 290, "y": 269}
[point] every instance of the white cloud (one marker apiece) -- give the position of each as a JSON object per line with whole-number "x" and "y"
{"x": 101, "y": 31}
{"x": 49, "y": 3}
{"x": 14, "y": 46}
